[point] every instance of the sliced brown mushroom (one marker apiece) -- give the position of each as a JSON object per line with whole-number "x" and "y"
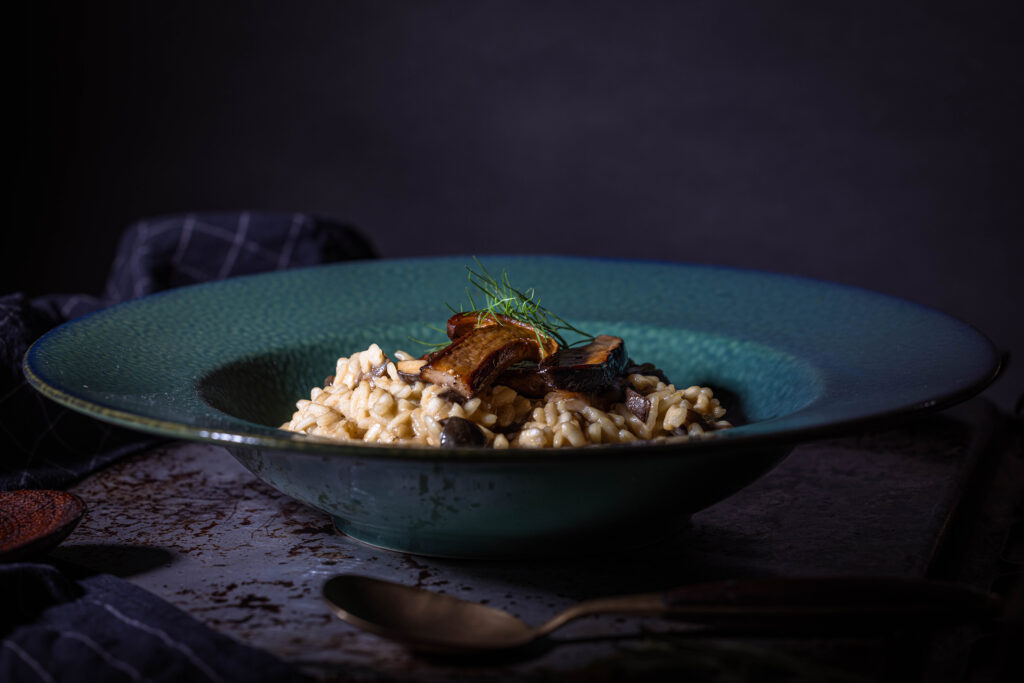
{"x": 525, "y": 380}
{"x": 457, "y": 432}
{"x": 376, "y": 371}
{"x": 462, "y": 324}
{"x": 638, "y": 404}
{"x": 593, "y": 367}
{"x": 473, "y": 361}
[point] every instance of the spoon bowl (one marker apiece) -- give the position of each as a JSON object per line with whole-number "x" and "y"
{"x": 34, "y": 522}
{"x": 423, "y": 620}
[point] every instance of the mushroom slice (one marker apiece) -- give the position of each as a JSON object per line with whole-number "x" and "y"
{"x": 473, "y": 361}
{"x": 459, "y": 432}
{"x": 638, "y": 404}
{"x": 461, "y": 324}
{"x": 587, "y": 368}
{"x": 525, "y": 380}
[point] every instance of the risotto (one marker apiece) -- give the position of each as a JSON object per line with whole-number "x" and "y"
{"x": 376, "y": 399}
{"x": 507, "y": 376}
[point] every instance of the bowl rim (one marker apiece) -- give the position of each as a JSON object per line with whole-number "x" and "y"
{"x": 266, "y": 437}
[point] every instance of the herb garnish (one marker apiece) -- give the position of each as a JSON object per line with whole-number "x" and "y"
{"x": 502, "y": 299}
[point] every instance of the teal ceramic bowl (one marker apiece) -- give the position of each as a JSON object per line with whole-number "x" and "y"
{"x": 791, "y": 358}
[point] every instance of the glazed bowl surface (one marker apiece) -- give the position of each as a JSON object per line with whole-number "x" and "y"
{"x": 791, "y": 358}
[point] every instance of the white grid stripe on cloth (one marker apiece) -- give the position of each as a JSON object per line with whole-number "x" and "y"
{"x": 190, "y": 226}
{"x": 68, "y": 306}
{"x": 137, "y": 252}
{"x": 8, "y": 314}
{"x": 236, "y": 246}
{"x": 30, "y": 662}
{"x": 52, "y": 420}
{"x": 284, "y": 258}
{"x": 166, "y": 639}
{"x": 113, "y": 292}
{"x": 112, "y": 661}
{"x": 253, "y": 242}
{"x": 238, "y": 243}
{"x": 50, "y": 425}
{"x": 13, "y": 391}
{"x": 183, "y": 239}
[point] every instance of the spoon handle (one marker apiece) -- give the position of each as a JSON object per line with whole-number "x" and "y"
{"x": 800, "y": 606}
{"x": 830, "y": 603}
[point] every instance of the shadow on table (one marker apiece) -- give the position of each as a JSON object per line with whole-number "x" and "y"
{"x": 688, "y": 559}
{"x": 692, "y": 653}
{"x": 121, "y": 561}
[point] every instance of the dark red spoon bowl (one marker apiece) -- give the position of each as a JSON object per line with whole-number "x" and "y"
{"x": 33, "y": 522}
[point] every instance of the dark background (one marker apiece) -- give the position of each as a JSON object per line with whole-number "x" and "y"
{"x": 874, "y": 144}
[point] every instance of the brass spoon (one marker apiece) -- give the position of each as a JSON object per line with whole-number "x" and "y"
{"x": 426, "y": 621}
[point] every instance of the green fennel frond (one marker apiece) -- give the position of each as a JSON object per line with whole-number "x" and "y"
{"x": 502, "y": 298}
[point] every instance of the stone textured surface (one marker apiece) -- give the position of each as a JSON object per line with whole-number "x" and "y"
{"x": 188, "y": 523}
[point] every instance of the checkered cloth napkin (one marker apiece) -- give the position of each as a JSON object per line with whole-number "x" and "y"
{"x": 57, "y": 623}
{"x": 45, "y": 446}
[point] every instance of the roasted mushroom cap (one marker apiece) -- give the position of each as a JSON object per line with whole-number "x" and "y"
{"x": 461, "y": 324}
{"x": 586, "y": 368}
{"x": 524, "y": 379}
{"x": 473, "y": 361}
{"x": 490, "y": 348}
